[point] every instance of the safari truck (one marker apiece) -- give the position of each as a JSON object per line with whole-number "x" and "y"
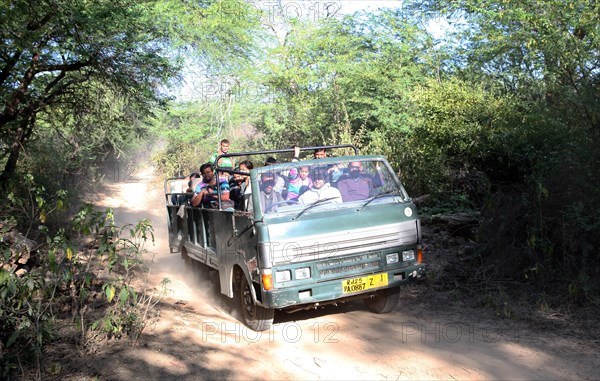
{"x": 350, "y": 232}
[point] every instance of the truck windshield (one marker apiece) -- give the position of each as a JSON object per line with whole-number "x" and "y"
{"x": 300, "y": 188}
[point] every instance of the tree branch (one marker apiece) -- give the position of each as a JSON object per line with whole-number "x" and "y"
{"x": 10, "y": 64}
{"x": 64, "y": 67}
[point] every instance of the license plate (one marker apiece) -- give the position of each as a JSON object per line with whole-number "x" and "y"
{"x": 364, "y": 283}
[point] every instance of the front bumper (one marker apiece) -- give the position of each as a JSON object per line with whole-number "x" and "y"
{"x": 315, "y": 293}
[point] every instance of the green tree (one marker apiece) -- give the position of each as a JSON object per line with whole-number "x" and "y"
{"x": 60, "y": 57}
{"x": 345, "y": 80}
{"x": 190, "y": 132}
{"x": 547, "y": 52}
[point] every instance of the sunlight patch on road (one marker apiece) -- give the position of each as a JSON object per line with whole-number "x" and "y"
{"x": 162, "y": 360}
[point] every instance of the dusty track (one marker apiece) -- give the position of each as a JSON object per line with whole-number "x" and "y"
{"x": 197, "y": 335}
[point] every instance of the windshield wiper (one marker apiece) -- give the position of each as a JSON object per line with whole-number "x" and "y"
{"x": 386, "y": 193}
{"x": 313, "y": 205}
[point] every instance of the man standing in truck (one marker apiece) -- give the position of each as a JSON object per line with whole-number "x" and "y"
{"x": 226, "y": 162}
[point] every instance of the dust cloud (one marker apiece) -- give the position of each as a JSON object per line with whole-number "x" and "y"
{"x": 141, "y": 196}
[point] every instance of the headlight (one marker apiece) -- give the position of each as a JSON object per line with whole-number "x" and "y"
{"x": 391, "y": 258}
{"x": 408, "y": 255}
{"x": 303, "y": 273}
{"x": 283, "y": 276}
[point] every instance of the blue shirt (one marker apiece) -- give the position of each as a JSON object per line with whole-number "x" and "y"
{"x": 211, "y": 200}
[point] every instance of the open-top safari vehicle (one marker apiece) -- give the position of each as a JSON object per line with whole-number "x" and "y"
{"x": 356, "y": 237}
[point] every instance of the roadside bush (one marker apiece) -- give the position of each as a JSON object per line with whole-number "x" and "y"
{"x": 87, "y": 287}
{"x": 532, "y": 176}
{"x": 454, "y": 129}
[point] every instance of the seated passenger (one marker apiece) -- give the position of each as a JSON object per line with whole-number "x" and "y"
{"x": 183, "y": 199}
{"x": 280, "y": 186}
{"x": 320, "y": 189}
{"x": 298, "y": 182}
{"x": 176, "y": 189}
{"x": 268, "y": 196}
{"x": 356, "y": 185}
{"x": 318, "y": 153}
{"x": 235, "y": 189}
{"x": 195, "y": 179}
{"x": 240, "y": 189}
{"x": 206, "y": 193}
{"x": 246, "y": 186}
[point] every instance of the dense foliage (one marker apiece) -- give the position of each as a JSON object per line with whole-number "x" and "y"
{"x": 78, "y": 79}
{"x": 91, "y": 288}
{"x": 537, "y": 138}
{"x": 78, "y": 82}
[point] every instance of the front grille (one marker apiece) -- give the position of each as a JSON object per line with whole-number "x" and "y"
{"x": 349, "y": 244}
{"x": 340, "y": 261}
{"x": 333, "y": 266}
{"x": 337, "y": 270}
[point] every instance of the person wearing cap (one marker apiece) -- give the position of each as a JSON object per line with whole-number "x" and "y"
{"x": 280, "y": 184}
{"x": 320, "y": 189}
{"x": 268, "y": 197}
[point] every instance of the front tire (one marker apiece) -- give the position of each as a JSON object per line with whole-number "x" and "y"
{"x": 384, "y": 301}
{"x": 256, "y": 317}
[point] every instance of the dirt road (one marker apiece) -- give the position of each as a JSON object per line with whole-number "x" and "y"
{"x": 198, "y": 336}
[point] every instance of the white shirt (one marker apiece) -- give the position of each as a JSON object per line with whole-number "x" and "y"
{"x": 248, "y": 197}
{"x": 314, "y": 194}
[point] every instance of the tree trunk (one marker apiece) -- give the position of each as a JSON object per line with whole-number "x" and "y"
{"x": 22, "y": 133}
